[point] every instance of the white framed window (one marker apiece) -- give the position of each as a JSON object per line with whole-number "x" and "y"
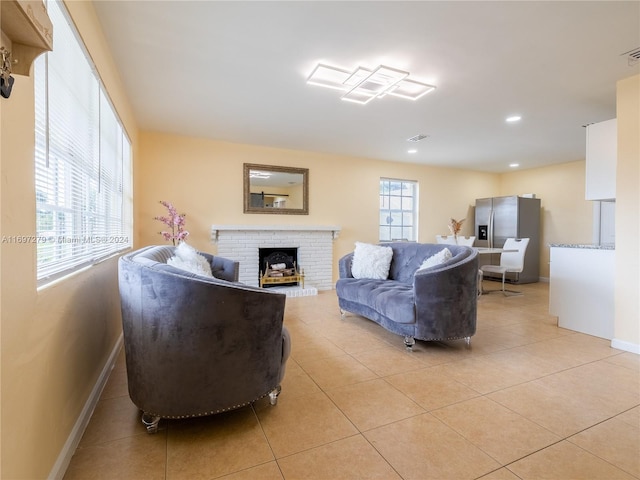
{"x": 82, "y": 160}
{"x": 398, "y": 210}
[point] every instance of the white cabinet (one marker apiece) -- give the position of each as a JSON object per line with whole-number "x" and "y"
{"x": 601, "y": 159}
{"x": 581, "y": 289}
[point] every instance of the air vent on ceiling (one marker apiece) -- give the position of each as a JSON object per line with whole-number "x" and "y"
{"x": 417, "y": 138}
{"x": 633, "y": 56}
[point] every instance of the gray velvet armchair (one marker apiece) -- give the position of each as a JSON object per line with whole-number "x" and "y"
{"x": 195, "y": 345}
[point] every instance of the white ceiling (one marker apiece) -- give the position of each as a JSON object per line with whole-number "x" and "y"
{"x": 236, "y": 71}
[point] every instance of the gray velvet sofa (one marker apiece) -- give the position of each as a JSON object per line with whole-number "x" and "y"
{"x": 196, "y": 345}
{"x": 436, "y": 303}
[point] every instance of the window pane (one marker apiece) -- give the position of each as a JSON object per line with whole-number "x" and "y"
{"x": 398, "y": 210}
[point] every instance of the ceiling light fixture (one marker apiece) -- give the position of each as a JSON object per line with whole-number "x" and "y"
{"x": 514, "y": 165}
{"x": 363, "y": 85}
{"x": 259, "y": 174}
{"x": 513, "y": 118}
{"x": 413, "y": 150}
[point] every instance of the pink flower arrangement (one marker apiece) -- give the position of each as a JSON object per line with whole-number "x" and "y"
{"x": 175, "y": 222}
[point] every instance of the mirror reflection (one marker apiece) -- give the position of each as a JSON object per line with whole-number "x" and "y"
{"x": 273, "y": 189}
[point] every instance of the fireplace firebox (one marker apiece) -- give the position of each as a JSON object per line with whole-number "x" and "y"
{"x": 279, "y": 267}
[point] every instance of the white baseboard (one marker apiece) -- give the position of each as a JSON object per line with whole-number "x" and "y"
{"x": 69, "y": 448}
{"x": 626, "y": 346}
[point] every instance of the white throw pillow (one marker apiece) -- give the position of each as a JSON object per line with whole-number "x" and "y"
{"x": 436, "y": 259}
{"x": 187, "y": 258}
{"x": 371, "y": 261}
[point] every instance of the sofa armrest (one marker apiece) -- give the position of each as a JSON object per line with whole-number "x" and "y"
{"x": 446, "y": 299}
{"x": 223, "y": 268}
{"x": 344, "y": 266}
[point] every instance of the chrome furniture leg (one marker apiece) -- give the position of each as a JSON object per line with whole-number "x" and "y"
{"x": 467, "y": 343}
{"x": 151, "y": 422}
{"x": 273, "y": 395}
{"x": 409, "y": 342}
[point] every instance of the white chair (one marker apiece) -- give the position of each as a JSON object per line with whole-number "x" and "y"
{"x": 466, "y": 241}
{"x": 510, "y": 262}
{"x": 451, "y": 240}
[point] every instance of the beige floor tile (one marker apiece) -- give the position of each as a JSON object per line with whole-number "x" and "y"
{"x": 389, "y": 361}
{"x": 316, "y": 349}
{"x": 498, "y": 431}
{"x": 615, "y": 441}
{"x": 337, "y": 371}
{"x": 116, "y": 385}
{"x": 422, "y": 447}
{"x": 631, "y": 417}
{"x": 141, "y": 457}
{"x": 266, "y": 471}
{"x": 352, "y": 458}
{"x": 373, "y": 403}
{"x": 297, "y": 382}
{"x": 600, "y": 386}
{"x": 560, "y": 413}
{"x": 302, "y": 422}
{"x": 564, "y": 461}
{"x": 501, "y": 474}
{"x": 626, "y": 359}
{"x": 209, "y": 447}
{"x": 431, "y": 390}
{"x": 482, "y": 375}
{"x": 489, "y": 340}
{"x": 521, "y": 364}
{"x": 354, "y": 340}
{"x": 113, "y": 418}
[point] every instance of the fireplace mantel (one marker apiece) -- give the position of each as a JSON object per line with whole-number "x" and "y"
{"x": 216, "y": 229}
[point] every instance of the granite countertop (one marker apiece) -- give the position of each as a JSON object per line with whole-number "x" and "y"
{"x": 588, "y": 246}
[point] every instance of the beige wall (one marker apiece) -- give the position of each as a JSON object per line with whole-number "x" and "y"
{"x": 203, "y": 178}
{"x": 566, "y": 216}
{"x": 627, "y": 301}
{"x": 54, "y": 342}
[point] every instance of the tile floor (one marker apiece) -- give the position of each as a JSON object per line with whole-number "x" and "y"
{"x": 528, "y": 401}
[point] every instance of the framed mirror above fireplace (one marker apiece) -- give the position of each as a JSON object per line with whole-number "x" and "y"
{"x": 273, "y": 189}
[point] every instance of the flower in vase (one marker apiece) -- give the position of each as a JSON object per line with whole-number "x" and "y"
{"x": 175, "y": 222}
{"x": 455, "y": 226}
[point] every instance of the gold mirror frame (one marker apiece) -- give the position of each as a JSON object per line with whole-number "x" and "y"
{"x": 249, "y": 208}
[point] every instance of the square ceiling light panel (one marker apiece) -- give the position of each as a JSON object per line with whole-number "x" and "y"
{"x": 363, "y": 85}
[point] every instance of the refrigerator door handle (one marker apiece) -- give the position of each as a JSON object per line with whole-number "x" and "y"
{"x": 491, "y": 228}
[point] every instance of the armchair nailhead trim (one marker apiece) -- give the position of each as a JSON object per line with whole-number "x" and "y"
{"x": 213, "y": 412}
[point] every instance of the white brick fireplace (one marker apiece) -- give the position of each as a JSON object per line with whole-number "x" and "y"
{"x": 314, "y": 244}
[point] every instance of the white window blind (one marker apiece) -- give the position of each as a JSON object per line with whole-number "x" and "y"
{"x": 398, "y": 210}
{"x": 82, "y": 160}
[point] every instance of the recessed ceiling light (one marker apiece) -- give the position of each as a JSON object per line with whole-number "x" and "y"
{"x": 514, "y": 165}
{"x": 413, "y": 150}
{"x": 513, "y": 118}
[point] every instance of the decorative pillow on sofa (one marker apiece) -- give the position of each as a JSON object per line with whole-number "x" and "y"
{"x": 436, "y": 259}
{"x": 371, "y": 261}
{"x": 187, "y": 258}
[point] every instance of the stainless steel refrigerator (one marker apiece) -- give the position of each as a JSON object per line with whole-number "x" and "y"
{"x": 499, "y": 218}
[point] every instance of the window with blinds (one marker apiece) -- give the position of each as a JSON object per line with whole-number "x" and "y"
{"x": 82, "y": 160}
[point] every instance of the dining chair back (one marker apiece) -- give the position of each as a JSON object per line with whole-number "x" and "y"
{"x": 452, "y": 240}
{"x": 511, "y": 261}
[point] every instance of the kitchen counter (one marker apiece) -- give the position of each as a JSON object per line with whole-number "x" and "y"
{"x": 587, "y": 246}
{"x": 581, "y": 288}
